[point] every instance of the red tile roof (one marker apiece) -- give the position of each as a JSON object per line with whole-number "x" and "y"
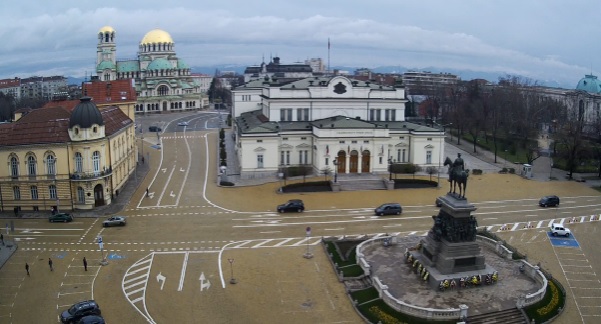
{"x": 51, "y": 125}
{"x": 110, "y": 92}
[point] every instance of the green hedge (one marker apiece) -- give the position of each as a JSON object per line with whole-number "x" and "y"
{"x": 549, "y": 306}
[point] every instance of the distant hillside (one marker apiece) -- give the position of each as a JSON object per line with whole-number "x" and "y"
{"x": 463, "y": 74}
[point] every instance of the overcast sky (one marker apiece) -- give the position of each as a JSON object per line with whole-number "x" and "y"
{"x": 539, "y": 39}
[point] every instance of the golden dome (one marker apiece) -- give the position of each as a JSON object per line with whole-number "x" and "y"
{"x": 106, "y": 29}
{"x": 156, "y": 36}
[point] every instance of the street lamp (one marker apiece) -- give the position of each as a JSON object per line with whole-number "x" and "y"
{"x": 335, "y": 162}
{"x": 440, "y": 148}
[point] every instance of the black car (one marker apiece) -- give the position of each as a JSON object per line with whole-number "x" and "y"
{"x": 154, "y": 129}
{"x": 79, "y": 310}
{"x": 549, "y": 201}
{"x": 389, "y": 209}
{"x": 91, "y": 319}
{"x": 295, "y": 205}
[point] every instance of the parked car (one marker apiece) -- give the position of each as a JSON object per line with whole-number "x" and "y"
{"x": 296, "y": 205}
{"x": 60, "y": 217}
{"x": 154, "y": 129}
{"x": 79, "y": 310}
{"x": 91, "y": 319}
{"x": 184, "y": 123}
{"x": 115, "y": 221}
{"x": 558, "y": 229}
{"x": 549, "y": 201}
{"x": 389, "y": 209}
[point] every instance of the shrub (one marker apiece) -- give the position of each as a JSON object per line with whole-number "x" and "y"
{"x": 512, "y": 170}
{"x": 476, "y": 172}
{"x": 226, "y": 184}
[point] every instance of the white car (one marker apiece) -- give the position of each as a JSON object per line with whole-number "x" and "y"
{"x": 114, "y": 221}
{"x": 184, "y": 123}
{"x": 558, "y": 229}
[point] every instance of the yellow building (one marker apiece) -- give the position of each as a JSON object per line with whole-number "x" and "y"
{"x": 57, "y": 158}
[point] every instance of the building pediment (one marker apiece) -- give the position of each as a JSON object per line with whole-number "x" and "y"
{"x": 260, "y": 149}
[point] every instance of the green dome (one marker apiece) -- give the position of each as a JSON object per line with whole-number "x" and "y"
{"x": 590, "y": 84}
{"x": 182, "y": 65}
{"x": 160, "y": 64}
{"x": 105, "y": 65}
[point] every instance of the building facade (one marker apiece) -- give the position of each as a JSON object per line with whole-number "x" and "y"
{"x": 163, "y": 81}
{"x": 67, "y": 159}
{"x": 344, "y": 125}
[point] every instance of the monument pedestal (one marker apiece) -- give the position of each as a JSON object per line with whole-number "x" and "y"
{"x": 450, "y": 251}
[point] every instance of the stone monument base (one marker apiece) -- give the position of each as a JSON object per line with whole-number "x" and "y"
{"x": 435, "y": 276}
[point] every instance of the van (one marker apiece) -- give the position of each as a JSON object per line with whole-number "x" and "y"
{"x": 389, "y": 209}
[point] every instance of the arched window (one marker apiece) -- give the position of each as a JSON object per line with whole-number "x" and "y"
{"x": 52, "y": 191}
{"x": 163, "y": 90}
{"x": 34, "y": 192}
{"x": 31, "y": 165}
{"x": 96, "y": 162}
{"x": 51, "y": 164}
{"x": 17, "y": 193}
{"x": 78, "y": 162}
{"x": 14, "y": 167}
{"x": 81, "y": 195}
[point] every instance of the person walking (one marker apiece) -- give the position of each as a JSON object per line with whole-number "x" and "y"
{"x": 2, "y": 238}
{"x": 27, "y": 268}
{"x": 85, "y": 263}
{"x": 50, "y": 264}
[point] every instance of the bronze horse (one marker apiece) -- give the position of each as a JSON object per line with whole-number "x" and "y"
{"x": 457, "y": 177}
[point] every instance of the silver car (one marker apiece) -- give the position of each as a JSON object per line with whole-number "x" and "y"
{"x": 115, "y": 221}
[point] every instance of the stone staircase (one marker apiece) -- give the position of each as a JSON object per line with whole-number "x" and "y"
{"x": 508, "y": 316}
{"x": 357, "y": 182}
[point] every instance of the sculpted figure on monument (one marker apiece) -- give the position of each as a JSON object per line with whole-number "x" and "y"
{"x": 457, "y": 175}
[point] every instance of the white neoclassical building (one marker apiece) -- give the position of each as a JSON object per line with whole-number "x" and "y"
{"x": 163, "y": 81}
{"x": 327, "y": 122}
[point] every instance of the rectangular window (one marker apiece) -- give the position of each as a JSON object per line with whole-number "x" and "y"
{"x": 428, "y": 157}
{"x": 365, "y": 142}
{"x": 17, "y": 193}
{"x": 354, "y": 142}
{"x": 341, "y": 142}
{"x": 284, "y": 138}
{"x": 260, "y": 161}
{"x": 52, "y": 191}
{"x": 429, "y": 139}
{"x": 287, "y": 157}
{"x": 34, "y": 192}
{"x": 398, "y": 155}
{"x": 404, "y": 155}
{"x": 286, "y": 115}
{"x": 303, "y": 138}
{"x": 281, "y": 157}
{"x": 306, "y": 114}
{"x": 387, "y": 114}
{"x": 259, "y": 141}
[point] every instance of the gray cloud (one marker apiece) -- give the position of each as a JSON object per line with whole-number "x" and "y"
{"x": 547, "y": 40}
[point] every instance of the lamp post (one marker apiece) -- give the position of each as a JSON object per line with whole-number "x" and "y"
{"x": 335, "y": 162}
{"x": 440, "y": 148}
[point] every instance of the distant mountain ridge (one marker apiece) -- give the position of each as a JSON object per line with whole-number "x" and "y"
{"x": 463, "y": 74}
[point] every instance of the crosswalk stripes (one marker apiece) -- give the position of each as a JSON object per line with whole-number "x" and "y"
{"x": 134, "y": 285}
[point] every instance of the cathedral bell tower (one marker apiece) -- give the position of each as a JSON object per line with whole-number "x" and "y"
{"x": 106, "y": 66}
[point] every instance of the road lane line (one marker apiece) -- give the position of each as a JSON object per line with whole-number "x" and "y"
{"x": 183, "y": 275}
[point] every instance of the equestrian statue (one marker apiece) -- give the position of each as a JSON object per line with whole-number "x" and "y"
{"x": 457, "y": 175}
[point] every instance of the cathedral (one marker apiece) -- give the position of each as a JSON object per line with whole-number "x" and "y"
{"x": 162, "y": 81}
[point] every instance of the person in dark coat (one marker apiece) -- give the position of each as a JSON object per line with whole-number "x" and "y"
{"x": 85, "y": 263}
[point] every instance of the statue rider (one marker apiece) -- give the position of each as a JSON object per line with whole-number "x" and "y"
{"x": 459, "y": 162}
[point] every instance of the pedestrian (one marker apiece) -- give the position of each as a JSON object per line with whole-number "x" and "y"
{"x": 85, "y": 263}
{"x": 50, "y": 264}
{"x": 2, "y": 238}
{"x": 27, "y": 268}
{"x": 146, "y": 192}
